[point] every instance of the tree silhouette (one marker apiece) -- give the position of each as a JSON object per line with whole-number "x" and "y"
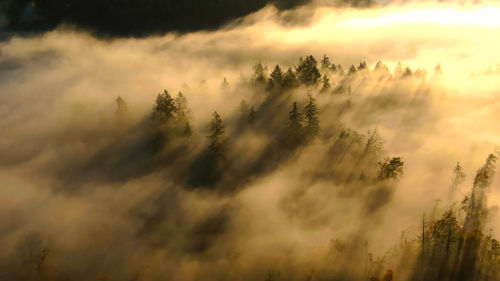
{"x": 289, "y": 79}
{"x": 326, "y": 83}
{"x": 218, "y": 141}
{"x": 307, "y": 71}
{"x": 164, "y": 108}
{"x": 362, "y": 65}
{"x": 312, "y": 120}
{"x": 476, "y": 209}
{"x": 325, "y": 63}
{"x": 294, "y": 128}
{"x": 259, "y": 74}
{"x": 121, "y": 107}
{"x": 458, "y": 177}
{"x": 390, "y": 168}
{"x": 276, "y": 80}
{"x": 352, "y": 70}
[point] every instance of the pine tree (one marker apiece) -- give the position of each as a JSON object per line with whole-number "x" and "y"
{"x": 352, "y": 70}
{"x": 259, "y": 75}
{"x": 295, "y": 128}
{"x": 276, "y": 79}
{"x": 325, "y": 63}
{"x": 187, "y": 129}
{"x": 362, "y": 65}
{"x": 182, "y": 109}
{"x": 390, "y": 168}
{"x": 295, "y": 118}
{"x": 398, "y": 70}
{"x": 307, "y": 71}
{"x": 312, "y": 120}
{"x": 326, "y": 83}
{"x": 289, "y": 79}
{"x": 458, "y": 177}
{"x": 121, "y": 108}
{"x": 476, "y": 209}
{"x": 217, "y": 138}
{"x": 164, "y": 108}
{"x": 407, "y": 72}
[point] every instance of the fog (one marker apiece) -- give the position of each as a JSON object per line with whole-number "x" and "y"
{"x": 88, "y": 193}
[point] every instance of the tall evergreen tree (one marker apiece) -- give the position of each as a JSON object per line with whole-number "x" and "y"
{"x": 295, "y": 118}
{"x": 325, "y": 63}
{"x": 325, "y": 83}
{"x": 312, "y": 119}
{"x": 259, "y": 73}
{"x": 289, "y": 79}
{"x": 352, "y": 70}
{"x": 458, "y": 177}
{"x": 164, "y": 108}
{"x": 362, "y": 65}
{"x": 295, "y": 128}
{"x": 276, "y": 79}
{"x": 182, "y": 109}
{"x": 217, "y": 138}
{"x": 307, "y": 71}
{"x": 121, "y": 108}
{"x": 476, "y": 209}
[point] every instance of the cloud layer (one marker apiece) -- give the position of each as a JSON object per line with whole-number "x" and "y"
{"x": 61, "y": 190}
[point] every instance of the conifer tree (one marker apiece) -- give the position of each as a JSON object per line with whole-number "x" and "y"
{"x": 476, "y": 209}
{"x": 217, "y": 138}
{"x": 295, "y": 118}
{"x": 182, "y": 109}
{"x": 378, "y": 66}
{"x": 307, "y": 71}
{"x": 325, "y": 63}
{"x": 259, "y": 75}
{"x": 362, "y": 65}
{"x": 390, "y": 168}
{"x": 289, "y": 79}
{"x": 458, "y": 176}
{"x": 326, "y": 83}
{"x": 276, "y": 79}
{"x": 164, "y": 108}
{"x": 121, "y": 108}
{"x": 398, "y": 70}
{"x": 352, "y": 70}
{"x": 295, "y": 127}
{"x": 312, "y": 119}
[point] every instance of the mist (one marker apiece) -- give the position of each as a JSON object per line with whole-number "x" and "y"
{"x": 345, "y": 172}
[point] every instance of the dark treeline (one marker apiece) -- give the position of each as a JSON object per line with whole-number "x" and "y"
{"x": 284, "y": 110}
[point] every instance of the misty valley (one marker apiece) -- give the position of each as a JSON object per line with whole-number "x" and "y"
{"x": 266, "y": 140}
{"x": 289, "y": 123}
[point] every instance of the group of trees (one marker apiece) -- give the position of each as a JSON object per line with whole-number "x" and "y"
{"x": 171, "y": 113}
{"x": 453, "y": 246}
{"x": 456, "y": 246}
{"x": 307, "y": 73}
{"x": 303, "y": 126}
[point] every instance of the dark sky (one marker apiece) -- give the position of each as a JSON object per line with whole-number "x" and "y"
{"x": 128, "y": 17}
